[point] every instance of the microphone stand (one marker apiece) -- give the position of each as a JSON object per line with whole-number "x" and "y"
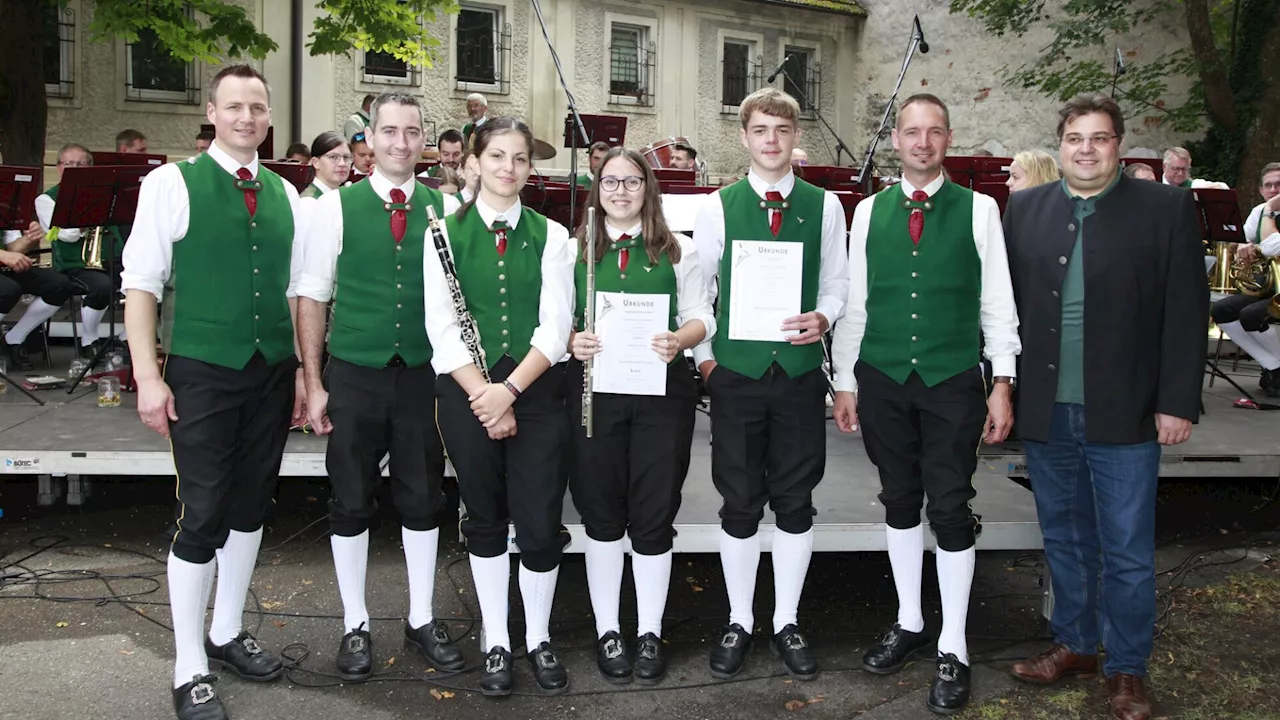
{"x": 579, "y": 130}
{"x": 864, "y": 175}
{"x": 840, "y": 145}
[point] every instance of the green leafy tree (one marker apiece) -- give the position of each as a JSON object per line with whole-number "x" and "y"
{"x": 1232, "y": 61}
{"x": 219, "y": 31}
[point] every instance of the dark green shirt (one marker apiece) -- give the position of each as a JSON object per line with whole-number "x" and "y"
{"x": 1071, "y": 339}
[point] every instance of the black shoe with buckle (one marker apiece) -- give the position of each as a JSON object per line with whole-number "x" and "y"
{"x": 432, "y": 641}
{"x": 611, "y": 658}
{"x": 244, "y": 657}
{"x": 895, "y": 649}
{"x": 550, "y": 675}
{"x": 650, "y": 667}
{"x": 950, "y": 690}
{"x": 495, "y": 678}
{"x": 355, "y": 655}
{"x": 729, "y": 654}
{"x": 197, "y": 700}
{"x": 18, "y": 358}
{"x": 797, "y": 657}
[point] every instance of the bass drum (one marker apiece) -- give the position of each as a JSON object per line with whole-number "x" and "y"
{"x": 658, "y": 154}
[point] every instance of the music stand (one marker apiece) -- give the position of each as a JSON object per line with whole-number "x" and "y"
{"x": 609, "y": 129}
{"x": 112, "y": 159}
{"x": 669, "y": 177}
{"x": 91, "y": 197}
{"x": 298, "y": 175}
{"x": 19, "y": 187}
{"x": 265, "y": 150}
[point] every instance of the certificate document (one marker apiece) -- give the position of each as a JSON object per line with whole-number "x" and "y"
{"x": 764, "y": 289}
{"x": 626, "y": 324}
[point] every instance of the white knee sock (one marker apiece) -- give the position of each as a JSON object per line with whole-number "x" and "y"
{"x": 906, "y": 557}
{"x": 791, "y": 554}
{"x": 955, "y": 578}
{"x": 189, "y": 588}
{"x": 538, "y": 591}
{"x": 350, "y": 562}
{"x": 604, "y": 581}
{"x": 1270, "y": 340}
{"x": 652, "y": 575}
{"x": 236, "y": 560}
{"x": 740, "y": 560}
{"x": 420, "y": 550}
{"x": 37, "y": 312}
{"x": 90, "y": 319}
{"x": 1253, "y": 344}
{"x": 492, "y": 578}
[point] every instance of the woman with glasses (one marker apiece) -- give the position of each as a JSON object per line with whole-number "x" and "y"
{"x": 626, "y": 479}
{"x": 331, "y": 157}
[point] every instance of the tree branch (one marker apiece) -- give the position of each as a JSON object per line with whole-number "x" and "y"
{"x": 1213, "y": 73}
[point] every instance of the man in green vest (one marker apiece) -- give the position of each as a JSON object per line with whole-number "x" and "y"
{"x": 449, "y": 146}
{"x": 928, "y": 271}
{"x": 214, "y": 236}
{"x": 768, "y": 410}
{"x": 478, "y": 111}
{"x": 19, "y": 276}
{"x": 358, "y": 120}
{"x": 365, "y": 248}
{"x": 595, "y": 156}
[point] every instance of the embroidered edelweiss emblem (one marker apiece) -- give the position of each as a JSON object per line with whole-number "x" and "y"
{"x": 612, "y": 648}
{"x": 201, "y": 694}
{"x": 495, "y": 663}
{"x": 800, "y": 219}
{"x": 251, "y": 646}
{"x": 648, "y": 268}
{"x": 547, "y": 660}
{"x": 355, "y": 644}
{"x": 729, "y": 640}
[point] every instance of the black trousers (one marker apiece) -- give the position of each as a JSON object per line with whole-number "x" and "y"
{"x": 375, "y": 411}
{"x": 50, "y": 286}
{"x": 520, "y": 480}
{"x": 227, "y": 445}
{"x": 1250, "y": 311}
{"x": 627, "y": 478}
{"x": 769, "y": 446}
{"x": 924, "y": 441}
{"x": 97, "y": 286}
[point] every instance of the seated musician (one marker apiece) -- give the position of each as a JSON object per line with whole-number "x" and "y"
{"x": 71, "y": 256}
{"x": 1140, "y": 171}
{"x": 20, "y": 276}
{"x": 359, "y": 119}
{"x": 1245, "y": 318}
{"x": 331, "y": 157}
{"x": 595, "y": 156}
{"x": 478, "y": 111}
{"x": 449, "y": 145}
{"x": 363, "y": 155}
{"x": 130, "y": 142}
{"x": 799, "y": 157}
{"x": 299, "y": 153}
{"x": 684, "y": 157}
{"x": 203, "y": 140}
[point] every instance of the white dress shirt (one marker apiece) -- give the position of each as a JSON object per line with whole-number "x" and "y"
{"x": 1270, "y": 244}
{"x": 164, "y": 212}
{"x": 555, "y": 301}
{"x": 323, "y": 243}
{"x": 44, "y": 213}
{"x": 833, "y": 277}
{"x": 999, "y": 314}
{"x": 691, "y": 289}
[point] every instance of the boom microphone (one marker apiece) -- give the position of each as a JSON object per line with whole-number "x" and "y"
{"x": 924, "y": 46}
{"x": 778, "y": 72}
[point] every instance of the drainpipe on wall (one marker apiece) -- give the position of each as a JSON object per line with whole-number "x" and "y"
{"x": 295, "y": 75}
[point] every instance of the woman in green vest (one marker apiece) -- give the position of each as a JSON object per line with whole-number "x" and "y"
{"x": 500, "y": 394}
{"x": 627, "y": 478}
{"x": 331, "y": 157}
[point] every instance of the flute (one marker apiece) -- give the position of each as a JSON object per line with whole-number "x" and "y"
{"x": 589, "y": 322}
{"x": 470, "y": 331}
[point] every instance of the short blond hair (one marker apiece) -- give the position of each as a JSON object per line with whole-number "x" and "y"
{"x": 1176, "y": 152}
{"x": 1040, "y": 166}
{"x": 770, "y": 101}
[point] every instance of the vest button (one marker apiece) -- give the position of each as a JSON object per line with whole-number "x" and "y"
{"x": 915, "y": 361}
{"x": 503, "y": 303}
{"x": 1052, "y": 366}
{"x": 504, "y": 318}
{"x": 1053, "y": 331}
{"x": 253, "y": 224}
{"x": 1055, "y": 293}
{"x": 397, "y": 326}
{"x": 257, "y": 294}
{"x": 505, "y": 346}
{"x": 397, "y": 344}
{"x": 914, "y": 338}
{"x": 502, "y": 263}
{"x": 255, "y": 317}
{"x": 775, "y": 352}
{"x": 1072, "y": 227}
{"x": 399, "y": 306}
{"x": 399, "y": 248}
{"x": 255, "y": 271}
{"x": 255, "y": 248}
{"x": 915, "y": 316}
{"x": 502, "y": 276}
{"x": 622, "y": 276}
{"x": 914, "y": 296}
{"x": 1062, "y": 260}
{"x": 504, "y": 332}
{"x": 915, "y": 274}
{"x": 502, "y": 291}
{"x": 397, "y": 267}
{"x": 399, "y": 286}
{"x": 257, "y": 341}
{"x": 915, "y": 253}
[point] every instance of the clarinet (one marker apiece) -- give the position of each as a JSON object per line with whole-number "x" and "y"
{"x": 589, "y": 322}
{"x": 470, "y": 331}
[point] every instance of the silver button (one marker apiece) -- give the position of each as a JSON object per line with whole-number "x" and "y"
{"x": 397, "y": 267}
{"x": 253, "y": 224}
{"x": 255, "y": 317}
{"x": 915, "y": 361}
{"x": 255, "y": 271}
{"x": 504, "y": 332}
{"x": 914, "y": 338}
{"x": 915, "y": 316}
{"x": 397, "y": 344}
{"x": 1072, "y": 227}
{"x": 502, "y": 291}
{"x": 399, "y": 248}
{"x": 914, "y": 253}
{"x": 397, "y": 326}
{"x": 1053, "y": 367}
{"x": 502, "y": 263}
{"x": 505, "y": 346}
{"x": 622, "y": 276}
{"x": 257, "y": 294}
{"x": 915, "y": 274}
{"x": 1053, "y": 331}
{"x": 504, "y": 318}
{"x": 502, "y": 304}
{"x": 1055, "y": 293}
{"x": 399, "y": 306}
{"x": 775, "y": 352}
{"x": 256, "y": 340}
{"x": 501, "y": 276}
{"x": 255, "y": 248}
{"x": 914, "y": 296}
{"x": 1062, "y": 260}
{"x": 399, "y": 286}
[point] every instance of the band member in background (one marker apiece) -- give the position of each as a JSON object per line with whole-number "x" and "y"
{"x": 299, "y": 153}
{"x": 203, "y": 140}
{"x": 449, "y": 145}
{"x": 451, "y": 183}
{"x": 799, "y": 157}
{"x": 1140, "y": 171}
{"x": 768, "y": 410}
{"x": 1246, "y": 319}
{"x": 627, "y": 478}
{"x": 331, "y": 158}
{"x": 595, "y": 156}
{"x": 478, "y": 111}
{"x": 1093, "y": 424}
{"x": 68, "y": 246}
{"x": 19, "y": 276}
{"x": 363, "y": 156}
{"x": 1031, "y": 168}
{"x": 929, "y": 271}
{"x": 506, "y": 434}
{"x": 131, "y": 141}
{"x": 364, "y": 250}
{"x": 469, "y": 167}
{"x": 684, "y": 157}
{"x": 358, "y": 120}
{"x": 226, "y": 266}
{"x": 1177, "y": 167}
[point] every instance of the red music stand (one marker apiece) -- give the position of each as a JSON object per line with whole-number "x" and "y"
{"x": 296, "y": 174}
{"x": 111, "y": 159}
{"x": 689, "y": 190}
{"x": 1219, "y": 211}
{"x": 830, "y": 177}
{"x": 610, "y": 129}
{"x": 970, "y": 171}
{"x": 552, "y": 200}
{"x": 998, "y": 191}
{"x": 669, "y": 177}
{"x": 849, "y": 200}
{"x": 265, "y": 150}
{"x": 431, "y": 182}
{"x": 19, "y": 187}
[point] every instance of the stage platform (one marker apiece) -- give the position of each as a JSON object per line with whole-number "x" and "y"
{"x": 72, "y": 436}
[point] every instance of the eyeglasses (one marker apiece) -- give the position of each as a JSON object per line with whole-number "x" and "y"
{"x": 338, "y": 159}
{"x": 609, "y": 183}
{"x": 1075, "y": 140}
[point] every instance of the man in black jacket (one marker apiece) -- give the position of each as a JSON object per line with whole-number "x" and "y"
{"x": 1113, "y": 267}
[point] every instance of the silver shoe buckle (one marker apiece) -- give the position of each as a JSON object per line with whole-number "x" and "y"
{"x": 730, "y": 640}
{"x": 251, "y": 646}
{"x": 355, "y": 644}
{"x": 547, "y": 660}
{"x": 201, "y": 693}
{"x": 495, "y": 663}
{"x": 612, "y": 649}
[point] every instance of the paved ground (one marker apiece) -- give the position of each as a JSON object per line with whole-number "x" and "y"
{"x": 94, "y": 659}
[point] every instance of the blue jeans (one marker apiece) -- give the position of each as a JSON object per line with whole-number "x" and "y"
{"x": 1097, "y": 507}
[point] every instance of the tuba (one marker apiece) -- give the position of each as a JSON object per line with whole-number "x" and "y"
{"x": 91, "y": 254}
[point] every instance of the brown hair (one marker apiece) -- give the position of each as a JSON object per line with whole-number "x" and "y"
{"x": 393, "y": 98}
{"x": 240, "y": 71}
{"x": 598, "y": 145}
{"x": 480, "y": 142}
{"x": 75, "y": 146}
{"x": 128, "y": 136}
{"x": 1088, "y": 104}
{"x": 1268, "y": 168}
{"x": 926, "y": 99}
{"x": 770, "y": 101}
{"x": 658, "y": 238}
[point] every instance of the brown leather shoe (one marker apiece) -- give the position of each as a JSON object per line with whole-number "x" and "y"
{"x": 1054, "y": 664}
{"x": 1128, "y": 698}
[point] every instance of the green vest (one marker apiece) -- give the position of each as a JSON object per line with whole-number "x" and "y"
{"x": 583, "y": 181}
{"x": 923, "y": 301}
{"x": 312, "y": 191}
{"x": 378, "y": 301}
{"x": 225, "y": 296}
{"x": 503, "y": 292}
{"x": 641, "y": 276}
{"x": 69, "y": 256}
{"x": 745, "y": 219}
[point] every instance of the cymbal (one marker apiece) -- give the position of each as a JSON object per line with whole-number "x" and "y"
{"x": 543, "y": 150}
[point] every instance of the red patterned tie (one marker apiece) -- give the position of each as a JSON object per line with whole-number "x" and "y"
{"x": 499, "y": 228}
{"x": 624, "y": 255}
{"x": 775, "y": 215}
{"x": 250, "y": 195}
{"x": 915, "y": 223}
{"x": 398, "y": 220}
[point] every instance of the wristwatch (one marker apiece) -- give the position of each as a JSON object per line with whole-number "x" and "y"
{"x": 1273, "y": 214}
{"x": 1010, "y": 381}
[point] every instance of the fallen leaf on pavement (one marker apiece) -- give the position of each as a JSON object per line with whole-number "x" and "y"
{"x": 391, "y": 660}
{"x": 62, "y": 624}
{"x": 436, "y": 694}
{"x": 794, "y": 705}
